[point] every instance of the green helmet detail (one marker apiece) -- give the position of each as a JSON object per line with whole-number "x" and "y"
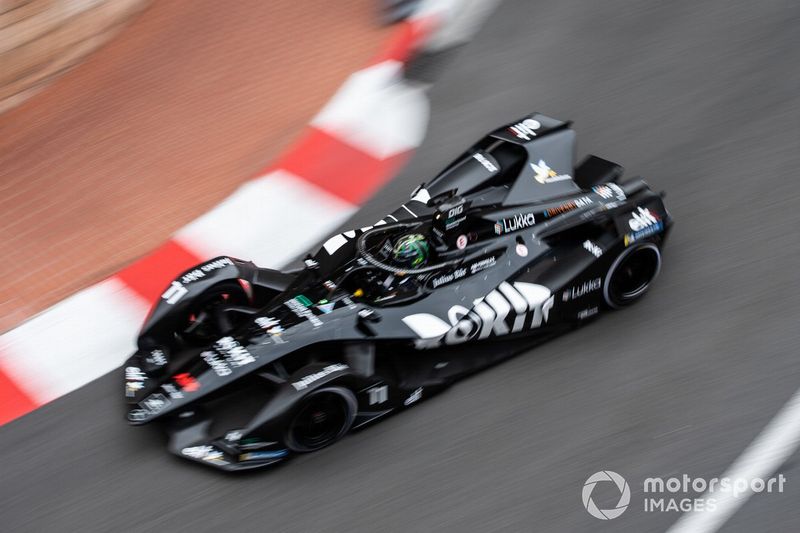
{"x": 411, "y": 250}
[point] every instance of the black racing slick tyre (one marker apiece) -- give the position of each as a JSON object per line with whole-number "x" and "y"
{"x": 631, "y": 274}
{"x": 322, "y": 418}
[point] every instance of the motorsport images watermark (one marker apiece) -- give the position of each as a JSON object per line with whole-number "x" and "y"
{"x": 678, "y": 494}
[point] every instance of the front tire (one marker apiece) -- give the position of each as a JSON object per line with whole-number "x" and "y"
{"x": 323, "y": 417}
{"x": 631, "y": 274}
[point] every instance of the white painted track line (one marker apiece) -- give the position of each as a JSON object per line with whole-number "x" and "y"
{"x": 771, "y": 448}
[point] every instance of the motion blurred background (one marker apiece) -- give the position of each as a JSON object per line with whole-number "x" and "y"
{"x": 124, "y": 120}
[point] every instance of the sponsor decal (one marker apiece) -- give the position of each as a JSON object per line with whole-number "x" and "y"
{"x": 177, "y": 290}
{"x": 172, "y": 391}
{"x": 219, "y": 366}
{"x": 254, "y": 443}
{"x": 488, "y": 165}
{"x": 610, "y": 190}
{"x": 155, "y": 403}
{"x": 325, "y": 306}
{"x": 174, "y": 292}
{"x": 414, "y": 397}
{"x": 197, "y": 452}
{"x": 156, "y": 357}
{"x": 526, "y": 129}
{"x": 482, "y": 264}
{"x": 202, "y": 270}
{"x": 235, "y": 354}
{"x": 515, "y": 223}
{"x": 186, "y": 382}
{"x": 311, "y": 263}
{"x": 560, "y": 209}
{"x": 273, "y": 328}
{"x": 462, "y": 272}
{"x": 205, "y": 453}
{"x": 507, "y": 309}
{"x": 583, "y": 201}
{"x": 581, "y": 290}
{"x": 263, "y": 455}
{"x": 450, "y": 277}
{"x": 642, "y": 218}
{"x": 300, "y": 307}
{"x": 303, "y": 300}
{"x": 586, "y": 313}
{"x": 134, "y": 380}
{"x": 522, "y": 250}
{"x": 603, "y": 191}
{"x": 311, "y": 378}
{"x": 461, "y": 242}
{"x": 454, "y": 217}
{"x": 329, "y": 285}
{"x": 592, "y": 248}
{"x": 378, "y": 394}
{"x": 644, "y": 223}
{"x": 544, "y": 174}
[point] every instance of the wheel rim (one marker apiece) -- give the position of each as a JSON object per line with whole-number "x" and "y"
{"x": 321, "y": 421}
{"x": 631, "y": 274}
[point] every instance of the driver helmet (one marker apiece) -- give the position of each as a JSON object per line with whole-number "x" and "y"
{"x": 411, "y": 250}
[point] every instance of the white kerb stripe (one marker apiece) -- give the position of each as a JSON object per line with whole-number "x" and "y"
{"x": 460, "y": 19}
{"x": 270, "y": 221}
{"x": 75, "y": 341}
{"x": 377, "y": 111}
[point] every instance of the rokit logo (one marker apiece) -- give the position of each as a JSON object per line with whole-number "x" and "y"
{"x": 507, "y": 309}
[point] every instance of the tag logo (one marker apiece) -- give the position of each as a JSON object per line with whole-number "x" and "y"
{"x": 544, "y": 174}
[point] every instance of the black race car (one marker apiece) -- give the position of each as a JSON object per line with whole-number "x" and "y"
{"x": 508, "y": 246}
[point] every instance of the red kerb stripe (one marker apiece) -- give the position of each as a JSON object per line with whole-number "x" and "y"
{"x": 13, "y": 401}
{"x": 149, "y": 276}
{"x": 339, "y": 168}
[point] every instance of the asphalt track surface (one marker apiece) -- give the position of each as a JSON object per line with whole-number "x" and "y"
{"x": 702, "y": 99}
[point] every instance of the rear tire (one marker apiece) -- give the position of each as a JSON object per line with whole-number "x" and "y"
{"x": 323, "y": 417}
{"x": 631, "y": 274}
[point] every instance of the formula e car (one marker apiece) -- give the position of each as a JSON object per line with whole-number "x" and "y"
{"x": 508, "y": 246}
